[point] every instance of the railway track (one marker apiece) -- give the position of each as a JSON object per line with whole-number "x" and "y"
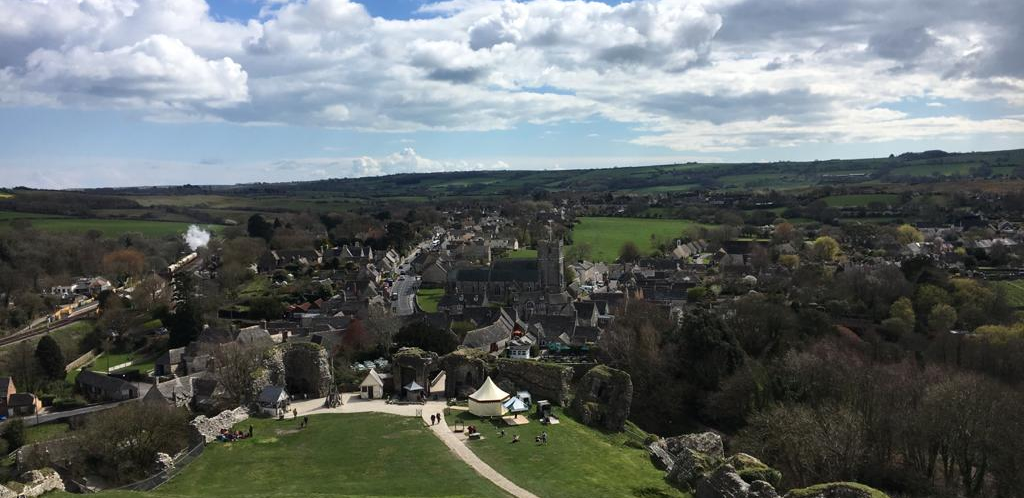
{"x": 41, "y": 329}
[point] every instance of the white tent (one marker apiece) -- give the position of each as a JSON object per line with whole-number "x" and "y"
{"x": 515, "y": 405}
{"x": 488, "y": 400}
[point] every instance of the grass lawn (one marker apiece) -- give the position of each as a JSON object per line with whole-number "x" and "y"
{"x": 521, "y": 254}
{"x": 112, "y": 228}
{"x": 577, "y": 462}
{"x": 427, "y": 299}
{"x": 46, "y": 432}
{"x": 607, "y": 235}
{"x": 1014, "y": 291}
{"x": 861, "y": 200}
{"x": 364, "y": 454}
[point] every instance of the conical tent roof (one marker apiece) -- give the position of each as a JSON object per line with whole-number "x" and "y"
{"x": 489, "y": 392}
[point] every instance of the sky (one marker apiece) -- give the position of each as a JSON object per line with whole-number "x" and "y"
{"x": 163, "y": 92}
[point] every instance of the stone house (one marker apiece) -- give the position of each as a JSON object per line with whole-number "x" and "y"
{"x": 99, "y": 387}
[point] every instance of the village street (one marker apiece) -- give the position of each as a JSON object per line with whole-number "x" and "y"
{"x": 354, "y": 404}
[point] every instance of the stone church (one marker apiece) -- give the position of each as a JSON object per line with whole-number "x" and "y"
{"x": 531, "y": 287}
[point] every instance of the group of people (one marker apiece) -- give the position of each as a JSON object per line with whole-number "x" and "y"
{"x": 227, "y": 436}
{"x": 436, "y": 419}
{"x": 542, "y": 438}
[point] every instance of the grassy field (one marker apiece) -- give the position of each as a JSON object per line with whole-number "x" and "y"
{"x": 17, "y": 215}
{"x": 607, "y": 235}
{"x": 365, "y": 454}
{"x": 46, "y": 432}
{"x": 577, "y": 462}
{"x": 522, "y": 254}
{"x": 861, "y": 200}
{"x": 113, "y": 228}
{"x": 1014, "y": 291}
{"x": 427, "y": 299}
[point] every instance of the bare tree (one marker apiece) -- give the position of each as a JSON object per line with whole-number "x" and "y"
{"x": 236, "y": 366}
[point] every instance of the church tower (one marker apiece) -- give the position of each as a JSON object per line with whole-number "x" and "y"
{"x": 550, "y": 262}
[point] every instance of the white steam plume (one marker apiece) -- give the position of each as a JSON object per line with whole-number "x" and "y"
{"x": 196, "y": 237}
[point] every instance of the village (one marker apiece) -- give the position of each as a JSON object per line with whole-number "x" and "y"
{"x": 484, "y": 325}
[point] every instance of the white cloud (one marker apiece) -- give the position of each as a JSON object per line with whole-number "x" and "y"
{"x": 700, "y": 75}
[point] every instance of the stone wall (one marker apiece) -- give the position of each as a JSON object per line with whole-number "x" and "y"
{"x": 33, "y": 483}
{"x": 301, "y": 367}
{"x": 465, "y": 369}
{"x": 544, "y": 380}
{"x": 602, "y": 398}
{"x": 412, "y": 364}
{"x": 208, "y": 428}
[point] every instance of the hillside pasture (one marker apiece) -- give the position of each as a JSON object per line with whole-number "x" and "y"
{"x": 577, "y": 461}
{"x": 606, "y": 235}
{"x": 1014, "y": 290}
{"x": 362, "y": 454}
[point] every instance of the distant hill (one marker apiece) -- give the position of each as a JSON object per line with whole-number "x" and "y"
{"x": 907, "y": 167}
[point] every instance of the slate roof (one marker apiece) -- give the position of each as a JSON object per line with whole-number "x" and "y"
{"x": 272, "y": 394}
{"x": 102, "y": 382}
{"x": 515, "y": 270}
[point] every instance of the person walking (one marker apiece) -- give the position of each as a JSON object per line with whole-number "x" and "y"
{"x": 305, "y": 421}
{"x": 295, "y": 413}
{"x": 432, "y": 418}
{"x": 250, "y": 431}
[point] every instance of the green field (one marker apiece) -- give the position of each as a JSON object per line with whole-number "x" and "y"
{"x": 607, "y": 235}
{"x": 364, "y": 454}
{"x": 522, "y": 254}
{"x": 577, "y": 462}
{"x": 18, "y": 215}
{"x": 858, "y": 200}
{"x": 1014, "y": 291}
{"x": 427, "y": 299}
{"x": 46, "y": 432}
{"x": 113, "y": 228}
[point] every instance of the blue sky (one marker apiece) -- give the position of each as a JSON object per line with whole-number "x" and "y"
{"x": 218, "y": 93}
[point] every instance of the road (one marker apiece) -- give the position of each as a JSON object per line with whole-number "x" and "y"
{"x": 404, "y": 293}
{"x": 45, "y": 417}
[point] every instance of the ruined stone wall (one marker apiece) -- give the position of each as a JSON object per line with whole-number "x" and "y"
{"x": 544, "y": 380}
{"x": 602, "y": 398}
{"x": 208, "y": 428}
{"x": 301, "y": 367}
{"x": 412, "y": 364}
{"x": 465, "y": 370}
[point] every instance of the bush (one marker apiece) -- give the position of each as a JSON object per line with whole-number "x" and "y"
{"x": 62, "y": 404}
{"x": 14, "y": 434}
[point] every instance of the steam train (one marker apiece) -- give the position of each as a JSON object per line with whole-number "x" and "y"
{"x": 181, "y": 264}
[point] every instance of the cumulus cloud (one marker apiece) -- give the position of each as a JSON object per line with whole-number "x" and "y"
{"x": 690, "y": 74}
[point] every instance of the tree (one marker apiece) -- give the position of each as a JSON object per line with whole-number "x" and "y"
{"x": 790, "y": 261}
{"x": 50, "y": 358}
{"x": 236, "y": 365}
{"x": 266, "y": 308}
{"x": 825, "y": 248}
{"x": 903, "y": 309}
{"x": 382, "y": 326}
{"x": 124, "y": 263}
{"x": 906, "y": 234}
{"x": 122, "y": 443}
{"x": 260, "y": 228}
{"x": 941, "y": 319}
{"x": 629, "y": 252}
{"x": 150, "y": 293}
{"x": 423, "y": 336}
{"x": 14, "y": 434}
{"x": 186, "y": 321}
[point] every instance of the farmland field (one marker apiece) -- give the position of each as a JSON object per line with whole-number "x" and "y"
{"x": 607, "y": 235}
{"x": 112, "y": 228}
{"x": 861, "y": 200}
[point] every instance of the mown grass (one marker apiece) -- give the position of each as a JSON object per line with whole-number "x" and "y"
{"x": 46, "y": 432}
{"x": 1014, "y": 290}
{"x": 577, "y": 461}
{"x": 606, "y": 236}
{"x": 521, "y": 254}
{"x": 428, "y": 299}
{"x": 363, "y": 454}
